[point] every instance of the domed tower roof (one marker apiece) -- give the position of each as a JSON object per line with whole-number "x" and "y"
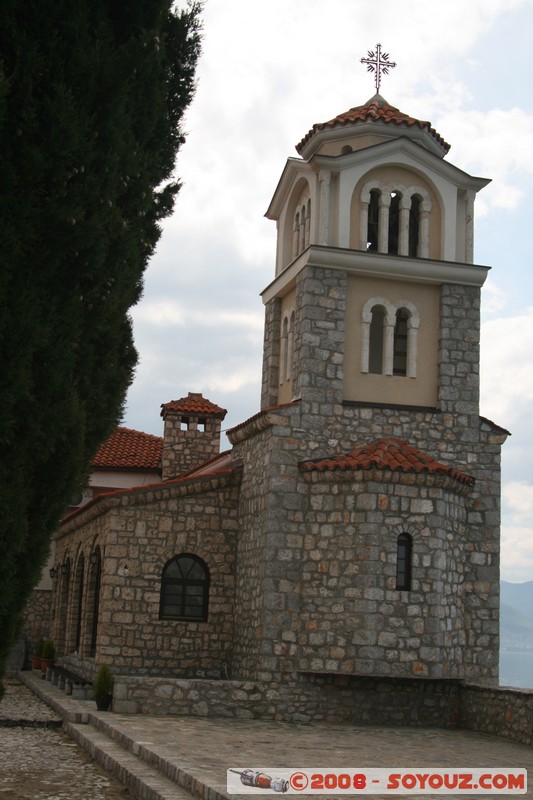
{"x": 377, "y": 117}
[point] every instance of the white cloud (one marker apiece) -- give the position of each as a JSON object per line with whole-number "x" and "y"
{"x": 517, "y": 554}
{"x": 168, "y": 314}
{"x": 494, "y": 298}
{"x": 517, "y": 497}
{"x": 507, "y": 366}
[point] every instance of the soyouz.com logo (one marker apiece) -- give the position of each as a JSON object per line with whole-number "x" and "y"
{"x": 408, "y": 781}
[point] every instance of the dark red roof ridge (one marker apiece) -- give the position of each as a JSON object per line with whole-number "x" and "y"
{"x": 186, "y": 478}
{"x": 194, "y": 403}
{"x": 386, "y": 453}
{"x": 378, "y": 110}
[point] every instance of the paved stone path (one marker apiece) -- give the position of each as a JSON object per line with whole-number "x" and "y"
{"x": 38, "y": 761}
{"x": 163, "y": 752}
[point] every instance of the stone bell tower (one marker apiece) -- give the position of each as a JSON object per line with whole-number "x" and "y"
{"x": 381, "y": 474}
{"x": 374, "y": 265}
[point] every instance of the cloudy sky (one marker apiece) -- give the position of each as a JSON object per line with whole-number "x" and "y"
{"x": 268, "y": 72}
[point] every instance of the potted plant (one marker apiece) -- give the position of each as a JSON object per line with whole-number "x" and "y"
{"x": 103, "y": 688}
{"x": 37, "y": 655}
{"x": 48, "y": 655}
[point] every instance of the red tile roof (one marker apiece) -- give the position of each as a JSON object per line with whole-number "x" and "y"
{"x": 389, "y": 454}
{"x": 194, "y": 403}
{"x": 129, "y": 449}
{"x": 374, "y": 110}
{"x": 221, "y": 466}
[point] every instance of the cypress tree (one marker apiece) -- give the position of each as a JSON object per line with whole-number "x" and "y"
{"x": 92, "y": 97}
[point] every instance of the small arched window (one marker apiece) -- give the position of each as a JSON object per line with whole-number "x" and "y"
{"x": 284, "y": 350}
{"x": 296, "y": 236}
{"x": 373, "y": 221}
{"x": 394, "y": 223}
{"x": 376, "y": 340}
{"x": 414, "y": 225}
{"x": 95, "y": 582}
{"x": 290, "y": 348}
{"x": 184, "y": 589}
{"x": 404, "y": 552}
{"x": 303, "y": 230}
{"x": 78, "y": 599}
{"x": 399, "y": 366}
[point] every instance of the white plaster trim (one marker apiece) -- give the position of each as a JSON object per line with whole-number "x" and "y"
{"x": 376, "y": 265}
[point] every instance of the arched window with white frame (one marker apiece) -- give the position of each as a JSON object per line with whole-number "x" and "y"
{"x": 296, "y": 236}
{"x": 389, "y": 338}
{"x": 290, "y": 348}
{"x": 377, "y": 340}
{"x": 399, "y": 364}
{"x": 394, "y": 219}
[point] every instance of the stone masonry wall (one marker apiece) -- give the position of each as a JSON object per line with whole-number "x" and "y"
{"x": 317, "y": 430}
{"x": 306, "y": 699}
{"x": 357, "y": 701}
{"x": 353, "y": 620}
{"x": 271, "y": 352}
{"x": 498, "y": 711}
{"x": 256, "y": 529}
{"x": 185, "y": 449}
{"x": 36, "y": 622}
{"x": 319, "y": 335}
{"x": 142, "y": 532}
{"x": 459, "y": 349}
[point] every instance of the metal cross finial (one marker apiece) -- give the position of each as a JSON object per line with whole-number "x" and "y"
{"x": 378, "y": 62}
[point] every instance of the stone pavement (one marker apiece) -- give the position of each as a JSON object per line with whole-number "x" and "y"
{"x": 169, "y": 758}
{"x": 39, "y": 761}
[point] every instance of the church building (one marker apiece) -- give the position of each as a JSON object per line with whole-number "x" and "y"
{"x": 347, "y": 546}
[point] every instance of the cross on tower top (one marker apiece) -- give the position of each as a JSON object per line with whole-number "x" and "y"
{"x": 378, "y": 62}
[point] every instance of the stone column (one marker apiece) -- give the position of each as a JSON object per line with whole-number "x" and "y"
{"x": 388, "y": 343}
{"x": 324, "y": 178}
{"x": 423, "y": 232}
{"x": 469, "y": 226}
{"x": 412, "y": 346}
{"x": 383, "y": 234}
{"x": 403, "y": 232}
{"x": 363, "y": 224}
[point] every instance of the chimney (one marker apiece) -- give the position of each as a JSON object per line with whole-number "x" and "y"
{"x": 191, "y": 434}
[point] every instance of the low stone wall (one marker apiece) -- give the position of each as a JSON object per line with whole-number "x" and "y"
{"x": 500, "y": 711}
{"x": 497, "y": 711}
{"x": 308, "y": 698}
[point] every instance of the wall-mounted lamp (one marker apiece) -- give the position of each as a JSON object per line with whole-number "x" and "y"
{"x": 53, "y": 572}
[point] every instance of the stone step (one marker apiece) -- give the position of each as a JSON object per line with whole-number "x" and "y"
{"x": 142, "y": 780}
{"x": 189, "y": 780}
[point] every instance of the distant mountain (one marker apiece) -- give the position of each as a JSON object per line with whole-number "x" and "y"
{"x": 516, "y": 615}
{"x": 518, "y": 596}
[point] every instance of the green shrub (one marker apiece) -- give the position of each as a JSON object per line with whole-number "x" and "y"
{"x": 103, "y": 682}
{"x": 49, "y": 650}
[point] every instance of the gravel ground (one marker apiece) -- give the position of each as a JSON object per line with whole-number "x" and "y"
{"x": 38, "y": 761}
